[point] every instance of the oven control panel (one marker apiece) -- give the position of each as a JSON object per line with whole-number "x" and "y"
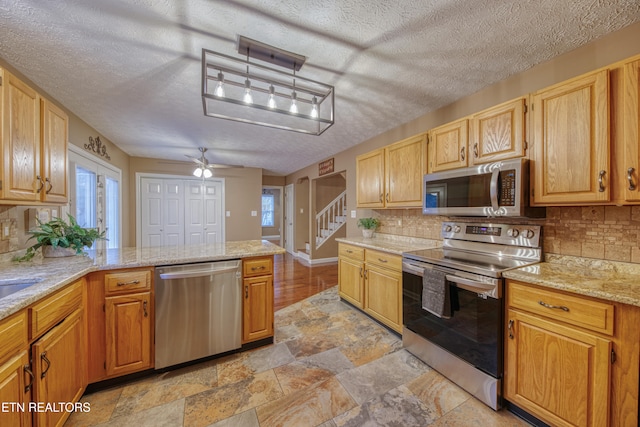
{"x": 506, "y": 234}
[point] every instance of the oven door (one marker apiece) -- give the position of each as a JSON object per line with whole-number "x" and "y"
{"x": 474, "y": 331}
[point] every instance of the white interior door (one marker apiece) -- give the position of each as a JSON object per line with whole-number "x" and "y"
{"x": 288, "y": 218}
{"x": 175, "y": 211}
{"x": 162, "y": 212}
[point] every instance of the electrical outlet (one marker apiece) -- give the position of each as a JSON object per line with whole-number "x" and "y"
{"x": 6, "y": 230}
{"x": 353, "y": 214}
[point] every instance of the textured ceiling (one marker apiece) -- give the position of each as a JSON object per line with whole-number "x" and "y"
{"x": 131, "y": 68}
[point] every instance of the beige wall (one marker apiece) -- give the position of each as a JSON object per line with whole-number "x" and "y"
{"x": 600, "y": 53}
{"x": 243, "y": 187}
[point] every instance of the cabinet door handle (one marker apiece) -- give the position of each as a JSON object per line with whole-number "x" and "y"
{"x": 462, "y": 153}
{"x": 632, "y": 186}
{"x": 382, "y": 260}
{"x": 133, "y": 282}
{"x": 349, "y": 251}
{"x": 475, "y": 150}
{"x": 601, "y": 175}
{"x": 28, "y": 371}
{"x": 41, "y": 184}
{"x": 144, "y": 308}
{"x": 257, "y": 268}
{"x": 559, "y": 307}
{"x": 246, "y": 292}
{"x": 387, "y": 198}
{"x": 50, "y": 185}
{"x": 381, "y": 197}
{"x": 361, "y": 273}
{"x": 510, "y": 327}
{"x": 43, "y": 356}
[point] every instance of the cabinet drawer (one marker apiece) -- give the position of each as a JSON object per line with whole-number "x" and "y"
{"x": 383, "y": 259}
{"x": 126, "y": 281}
{"x": 257, "y": 266}
{"x": 53, "y": 309}
{"x": 583, "y": 312}
{"x": 354, "y": 252}
{"x": 14, "y": 333}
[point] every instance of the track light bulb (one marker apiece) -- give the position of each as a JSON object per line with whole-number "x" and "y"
{"x": 207, "y": 173}
{"x": 314, "y": 107}
{"x": 272, "y": 98}
{"x": 294, "y": 104}
{"x": 197, "y": 172}
{"x": 248, "y": 99}
{"x": 219, "y": 91}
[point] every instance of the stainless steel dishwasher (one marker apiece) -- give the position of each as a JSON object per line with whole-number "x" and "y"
{"x": 198, "y": 311}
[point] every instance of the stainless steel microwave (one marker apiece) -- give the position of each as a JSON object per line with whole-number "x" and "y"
{"x": 496, "y": 189}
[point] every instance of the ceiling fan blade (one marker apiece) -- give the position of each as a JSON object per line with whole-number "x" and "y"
{"x": 220, "y": 166}
{"x": 198, "y": 161}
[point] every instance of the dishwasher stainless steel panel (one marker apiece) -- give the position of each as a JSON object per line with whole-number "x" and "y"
{"x": 198, "y": 311}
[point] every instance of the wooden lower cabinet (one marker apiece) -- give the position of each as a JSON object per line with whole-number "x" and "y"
{"x": 13, "y": 391}
{"x": 371, "y": 280}
{"x": 383, "y": 295}
{"x": 121, "y": 312}
{"x": 59, "y": 367}
{"x": 128, "y": 323}
{"x": 257, "y": 298}
{"x": 351, "y": 280}
{"x": 257, "y": 308}
{"x": 558, "y": 373}
{"x": 571, "y": 360}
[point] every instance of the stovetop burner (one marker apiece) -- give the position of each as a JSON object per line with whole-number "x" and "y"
{"x": 487, "y": 249}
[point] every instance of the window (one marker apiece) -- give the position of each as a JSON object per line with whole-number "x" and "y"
{"x": 267, "y": 210}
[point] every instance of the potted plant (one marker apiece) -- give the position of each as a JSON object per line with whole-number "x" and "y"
{"x": 368, "y": 226}
{"x": 59, "y": 238}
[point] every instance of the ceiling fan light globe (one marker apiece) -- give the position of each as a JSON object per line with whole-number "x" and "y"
{"x": 207, "y": 173}
{"x": 197, "y": 172}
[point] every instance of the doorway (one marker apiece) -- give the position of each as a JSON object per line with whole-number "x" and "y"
{"x": 95, "y": 196}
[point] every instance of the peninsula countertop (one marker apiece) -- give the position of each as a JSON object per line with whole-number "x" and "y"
{"x": 55, "y": 273}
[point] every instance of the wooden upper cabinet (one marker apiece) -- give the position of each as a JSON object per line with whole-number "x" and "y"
{"x": 392, "y": 176}
{"x": 370, "y": 179}
{"x": 630, "y": 169}
{"x": 20, "y": 140}
{"x": 448, "y": 146}
{"x": 498, "y": 133}
{"x": 34, "y": 135}
{"x": 405, "y": 166}
{"x": 571, "y": 141}
{"x": 55, "y": 131}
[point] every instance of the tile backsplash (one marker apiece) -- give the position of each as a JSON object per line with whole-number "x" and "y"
{"x": 602, "y": 232}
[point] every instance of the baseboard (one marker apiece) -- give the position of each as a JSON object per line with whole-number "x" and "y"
{"x": 304, "y": 257}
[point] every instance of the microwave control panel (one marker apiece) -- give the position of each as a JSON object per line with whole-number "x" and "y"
{"x": 507, "y": 196}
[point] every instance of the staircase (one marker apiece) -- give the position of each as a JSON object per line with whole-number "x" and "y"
{"x": 331, "y": 219}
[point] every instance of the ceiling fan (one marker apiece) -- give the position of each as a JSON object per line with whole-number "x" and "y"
{"x": 204, "y": 167}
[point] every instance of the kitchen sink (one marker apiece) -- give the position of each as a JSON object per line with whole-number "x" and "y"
{"x": 9, "y": 286}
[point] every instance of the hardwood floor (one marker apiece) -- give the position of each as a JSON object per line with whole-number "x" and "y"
{"x": 295, "y": 281}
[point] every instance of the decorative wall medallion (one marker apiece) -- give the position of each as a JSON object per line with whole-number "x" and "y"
{"x": 97, "y": 147}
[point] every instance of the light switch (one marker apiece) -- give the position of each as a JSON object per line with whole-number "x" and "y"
{"x": 301, "y": 210}
{"x": 353, "y": 214}
{"x": 254, "y": 213}
{"x": 228, "y": 213}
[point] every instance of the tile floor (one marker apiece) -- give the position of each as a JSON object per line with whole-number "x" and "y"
{"x": 330, "y": 366}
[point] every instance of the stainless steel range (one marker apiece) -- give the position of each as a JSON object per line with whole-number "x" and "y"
{"x": 453, "y": 306}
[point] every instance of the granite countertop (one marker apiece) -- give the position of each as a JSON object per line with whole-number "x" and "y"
{"x": 392, "y": 244}
{"x": 607, "y": 280}
{"x": 55, "y": 273}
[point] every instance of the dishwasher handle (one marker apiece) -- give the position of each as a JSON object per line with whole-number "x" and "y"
{"x": 196, "y": 273}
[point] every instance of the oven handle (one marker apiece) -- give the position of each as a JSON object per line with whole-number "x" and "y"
{"x": 493, "y": 189}
{"x": 472, "y": 285}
